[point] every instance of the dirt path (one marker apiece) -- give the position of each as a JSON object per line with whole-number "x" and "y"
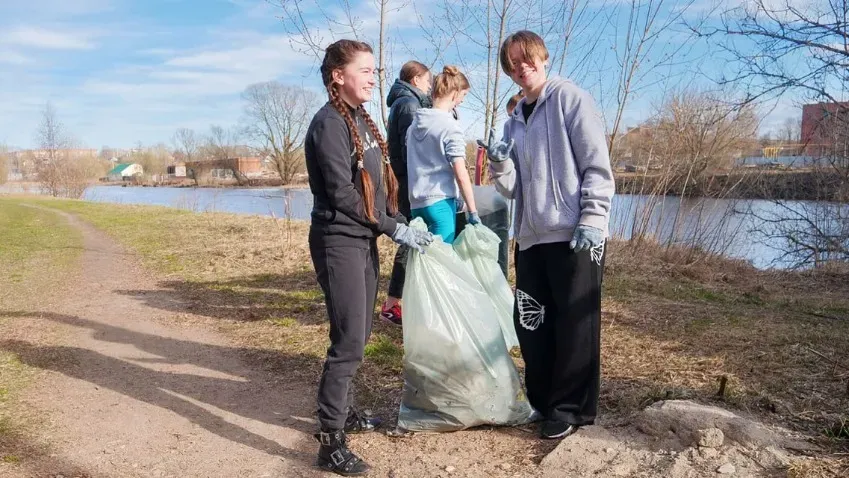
{"x": 126, "y": 395}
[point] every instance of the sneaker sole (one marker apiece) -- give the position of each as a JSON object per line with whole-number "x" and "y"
{"x": 386, "y": 318}
{"x": 563, "y": 434}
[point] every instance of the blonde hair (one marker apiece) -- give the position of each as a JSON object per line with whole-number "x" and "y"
{"x": 530, "y": 44}
{"x": 451, "y": 80}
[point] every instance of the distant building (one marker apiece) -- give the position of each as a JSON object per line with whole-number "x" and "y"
{"x": 177, "y": 170}
{"x": 71, "y": 153}
{"x": 822, "y": 125}
{"x": 249, "y": 167}
{"x": 124, "y": 172}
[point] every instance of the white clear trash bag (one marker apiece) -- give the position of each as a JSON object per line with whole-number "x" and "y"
{"x": 488, "y": 200}
{"x": 478, "y": 246}
{"x": 458, "y": 372}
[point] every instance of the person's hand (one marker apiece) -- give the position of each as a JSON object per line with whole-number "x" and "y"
{"x": 407, "y": 236}
{"x": 586, "y": 238}
{"x": 473, "y": 218}
{"x": 497, "y": 150}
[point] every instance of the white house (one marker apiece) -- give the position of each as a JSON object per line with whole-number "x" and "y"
{"x": 125, "y": 171}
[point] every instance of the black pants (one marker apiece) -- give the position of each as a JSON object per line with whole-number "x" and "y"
{"x": 558, "y": 320}
{"x": 348, "y": 278}
{"x": 399, "y": 268}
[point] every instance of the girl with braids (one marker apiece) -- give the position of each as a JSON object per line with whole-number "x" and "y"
{"x": 355, "y": 201}
{"x": 436, "y": 158}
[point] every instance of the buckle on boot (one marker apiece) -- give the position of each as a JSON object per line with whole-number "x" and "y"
{"x": 337, "y": 457}
{"x": 325, "y": 438}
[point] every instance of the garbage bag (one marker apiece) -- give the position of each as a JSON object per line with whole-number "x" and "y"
{"x": 458, "y": 372}
{"x": 494, "y": 212}
{"x": 478, "y": 246}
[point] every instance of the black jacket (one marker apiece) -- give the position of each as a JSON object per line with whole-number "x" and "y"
{"x": 336, "y": 183}
{"x": 403, "y": 100}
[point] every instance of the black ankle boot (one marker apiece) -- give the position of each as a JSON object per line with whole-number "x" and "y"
{"x": 334, "y": 455}
{"x": 360, "y": 422}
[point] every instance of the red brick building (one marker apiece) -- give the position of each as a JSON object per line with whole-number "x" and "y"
{"x": 819, "y": 122}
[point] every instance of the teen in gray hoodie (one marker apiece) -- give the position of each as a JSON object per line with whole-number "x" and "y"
{"x": 553, "y": 160}
{"x": 436, "y": 159}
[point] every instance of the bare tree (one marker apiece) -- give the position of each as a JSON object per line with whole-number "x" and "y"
{"x": 791, "y": 130}
{"x": 222, "y": 145}
{"x": 276, "y": 118}
{"x": 647, "y": 21}
{"x": 53, "y": 167}
{"x": 784, "y": 47}
{"x": 187, "y": 143}
{"x": 310, "y": 33}
{"x": 700, "y": 132}
{"x": 5, "y": 161}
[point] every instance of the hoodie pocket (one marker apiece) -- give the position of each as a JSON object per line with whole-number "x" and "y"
{"x": 570, "y": 206}
{"x": 569, "y": 203}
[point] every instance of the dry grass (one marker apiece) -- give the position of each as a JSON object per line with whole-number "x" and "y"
{"x": 669, "y": 331}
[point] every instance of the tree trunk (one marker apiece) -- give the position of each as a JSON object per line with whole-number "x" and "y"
{"x": 501, "y": 28}
{"x": 381, "y": 67}
{"x": 487, "y": 125}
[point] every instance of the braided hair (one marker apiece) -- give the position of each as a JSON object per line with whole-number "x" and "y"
{"x": 336, "y": 57}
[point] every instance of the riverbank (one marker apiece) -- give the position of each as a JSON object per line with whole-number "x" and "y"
{"x": 790, "y": 185}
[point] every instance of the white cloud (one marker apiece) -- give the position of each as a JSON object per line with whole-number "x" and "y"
{"x": 270, "y": 50}
{"x": 48, "y": 39}
{"x": 57, "y": 8}
{"x": 10, "y": 57}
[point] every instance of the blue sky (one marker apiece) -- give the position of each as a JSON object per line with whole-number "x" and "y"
{"x": 119, "y": 72}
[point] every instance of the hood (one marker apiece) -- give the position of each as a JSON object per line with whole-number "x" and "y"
{"x": 402, "y": 89}
{"x": 549, "y": 86}
{"x": 431, "y": 120}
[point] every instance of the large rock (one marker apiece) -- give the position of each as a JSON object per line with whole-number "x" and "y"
{"x": 685, "y": 419}
{"x": 711, "y": 438}
{"x": 593, "y": 451}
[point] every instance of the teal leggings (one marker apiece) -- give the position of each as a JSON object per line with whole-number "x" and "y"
{"x": 440, "y": 218}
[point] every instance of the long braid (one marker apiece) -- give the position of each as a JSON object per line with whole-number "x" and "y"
{"x": 390, "y": 182}
{"x": 359, "y": 151}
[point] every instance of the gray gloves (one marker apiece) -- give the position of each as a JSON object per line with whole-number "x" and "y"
{"x": 586, "y": 237}
{"x": 473, "y": 218}
{"x": 407, "y": 236}
{"x": 496, "y": 149}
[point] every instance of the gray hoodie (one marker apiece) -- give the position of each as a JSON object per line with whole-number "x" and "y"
{"x": 559, "y": 169}
{"x": 434, "y": 142}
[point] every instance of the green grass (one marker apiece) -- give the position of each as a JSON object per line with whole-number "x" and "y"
{"x": 33, "y": 241}
{"x": 383, "y": 351}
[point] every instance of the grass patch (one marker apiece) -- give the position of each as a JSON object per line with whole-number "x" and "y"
{"x": 37, "y": 249}
{"x": 32, "y": 242}
{"x": 383, "y": 351}
{"x": 284, "y": 322}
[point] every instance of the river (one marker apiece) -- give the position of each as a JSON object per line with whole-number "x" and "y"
{"x": 732, "y": 227}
